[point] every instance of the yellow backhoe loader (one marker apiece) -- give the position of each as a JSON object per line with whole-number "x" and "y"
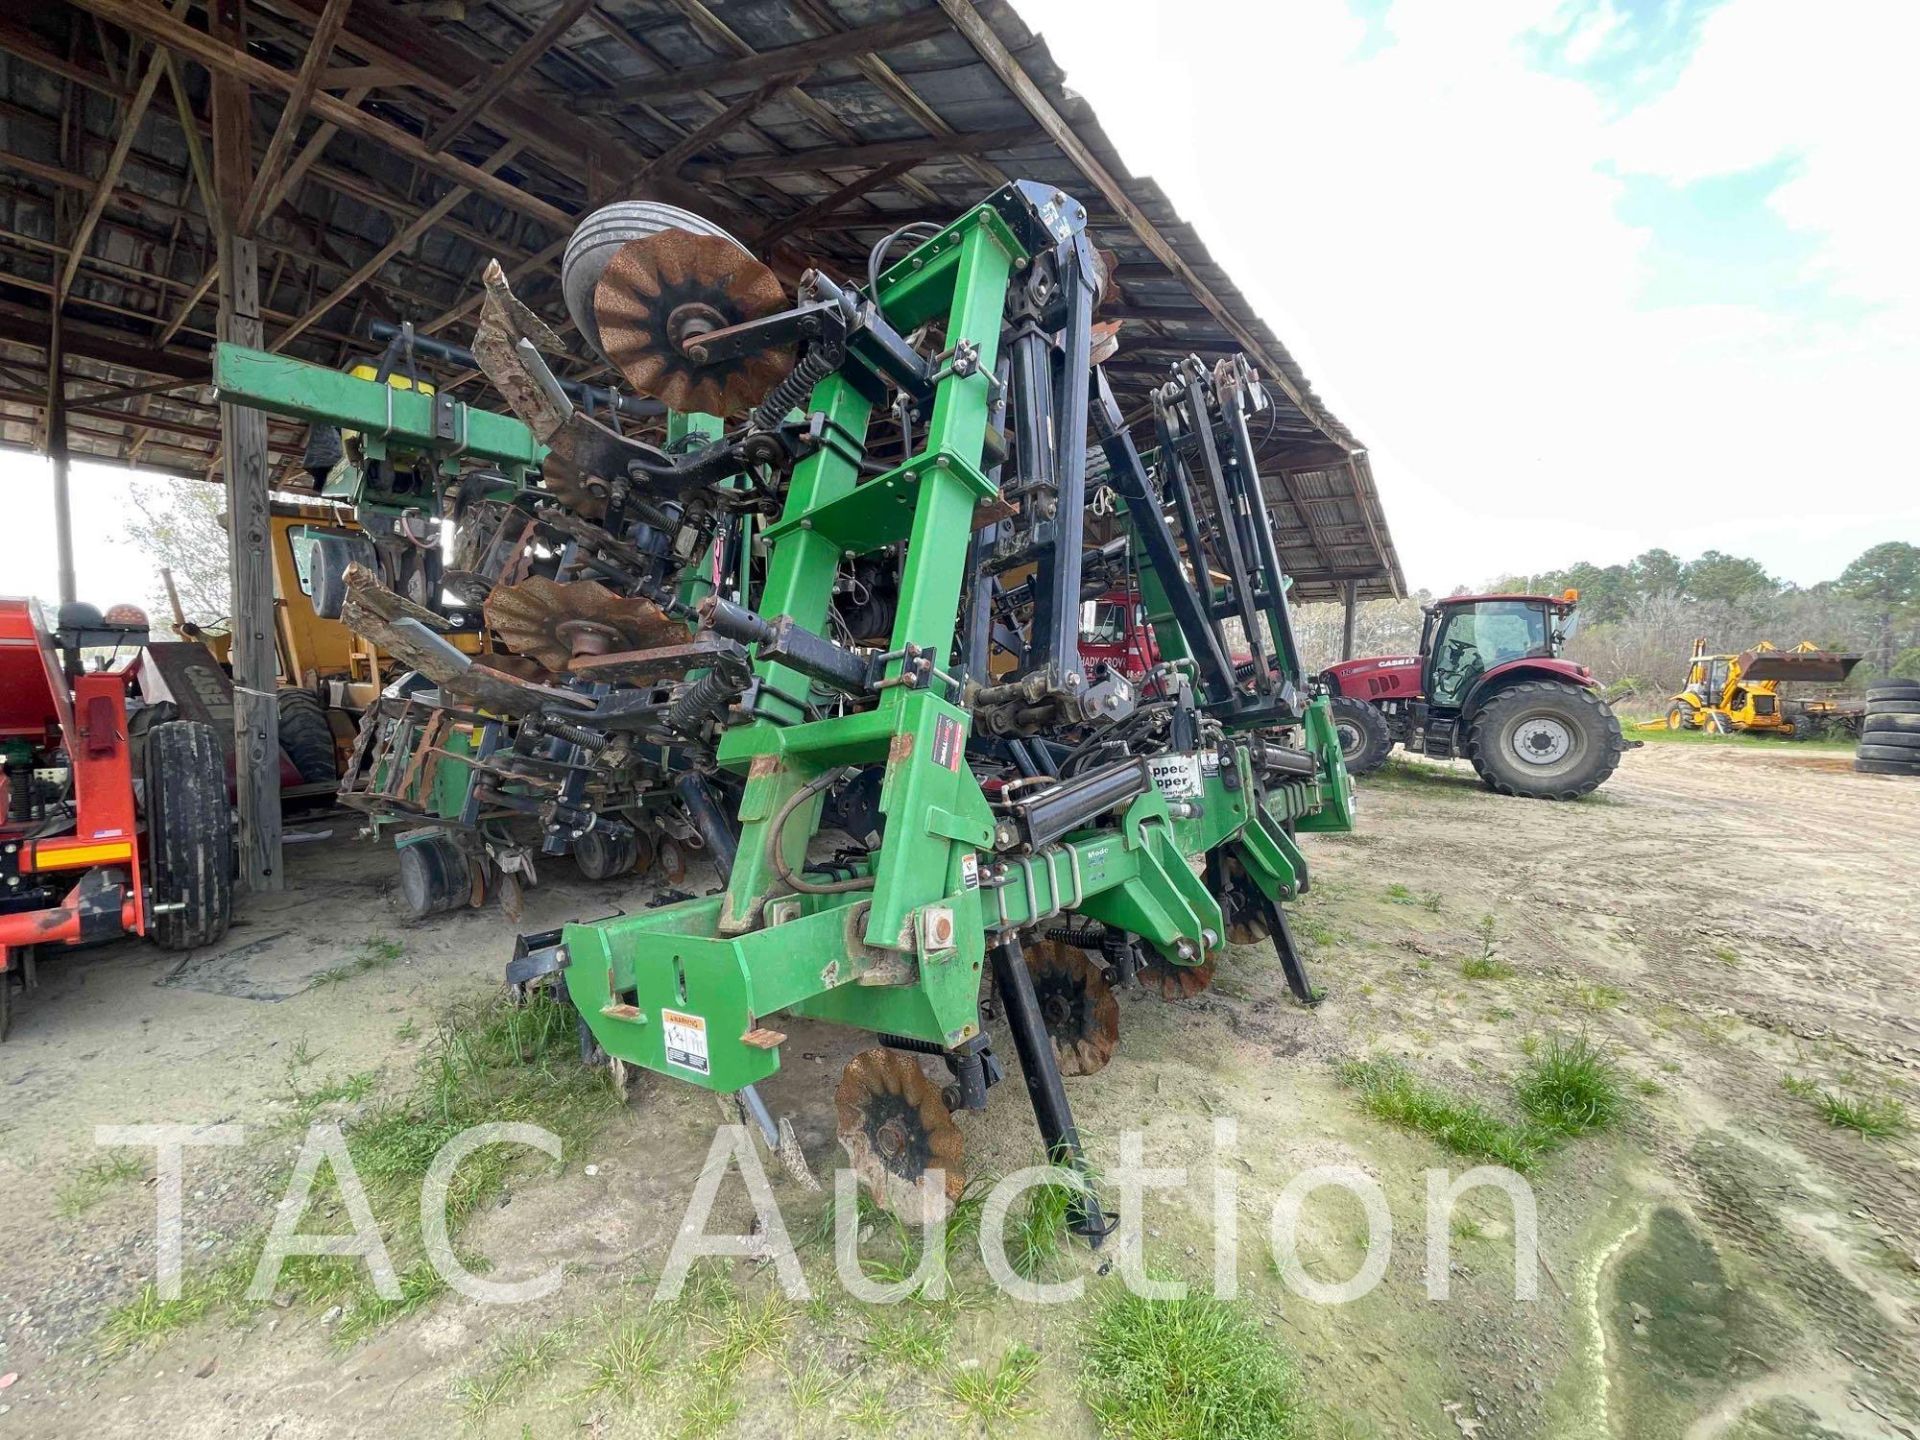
{"x": 1741, "y": 693}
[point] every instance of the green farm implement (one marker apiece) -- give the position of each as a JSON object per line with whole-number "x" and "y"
{"x": 861, "y": 603}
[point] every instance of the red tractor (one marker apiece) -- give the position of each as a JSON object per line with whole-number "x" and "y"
{"x": 85, "y": 854}
{"x": 1488, "y": 685}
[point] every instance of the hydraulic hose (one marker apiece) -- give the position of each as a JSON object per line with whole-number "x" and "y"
{"x": 823, "y": 781}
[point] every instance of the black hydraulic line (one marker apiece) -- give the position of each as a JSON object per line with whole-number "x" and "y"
{"x": 710, "y": 822}
{"x": 1128, "y": 476}
{"x": 1202, "y": 422}
{"x": 589, "y": 397}
{"x": 1279, "y": 609}
{"x": 1041, "y": 1071}
{"x": 1056, "y": 611}
{"x": 820, "y": 783}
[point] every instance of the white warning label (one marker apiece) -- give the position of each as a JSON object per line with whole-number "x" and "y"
{"x": 686, "y": 1037}
{"x": 1178, "y": 776}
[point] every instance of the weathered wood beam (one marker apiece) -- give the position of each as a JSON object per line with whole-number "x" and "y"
{"x": 292, "y": 114}
{"x": 17, "y": 40}
{"x": 799, "y": 59}
{"x": 131, "y": 115}
{"x": 402, "y": 238}
{"x": 1003, "y": 64}
{"x": 860, "y": 157}
{"x": 243, "y": 443}
{"x": 235, "y": 63}
{"x": 283, "y": 185}
{"x": 832, "y": 204}
{"x": 507, "y": 71}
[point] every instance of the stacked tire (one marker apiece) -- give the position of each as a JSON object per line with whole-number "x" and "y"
{"x": 1890, "y": 733}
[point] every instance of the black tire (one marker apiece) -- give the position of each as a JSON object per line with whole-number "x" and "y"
{"x": 601, "y": 854}
{"x": 1905, "y": 748}
{"x": 433, "y": 876}
{"x": 1570, "y": 727}
{"x": 1908, "y": 690}
{"x": 1365, "y": 740}
{"x": 306, "y": 736}
{"x": 1893, "y": 707}
{"x": 1891, "y": 725}
{"x": 1886, "y": 767}
{"x": 189, "y": 836}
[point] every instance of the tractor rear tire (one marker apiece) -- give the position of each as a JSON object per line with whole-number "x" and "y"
{"x": 307, "y": 737}
{"x": 1544, "y": 740}
{"x": 189, "y": 836}
{"x": 1892, "y": 707}
{"x": 1892, "y": 690}
{"x": 1878, "y": 724}
{"x": 1365, "y": 740}
{"x": 1887, "y": 767}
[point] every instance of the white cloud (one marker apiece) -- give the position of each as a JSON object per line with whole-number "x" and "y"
{"x": 1432, "y": 229}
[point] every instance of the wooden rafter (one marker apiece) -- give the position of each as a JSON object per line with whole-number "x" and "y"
{"x": 507, "y": 71}
{"x": 292, "y": 114}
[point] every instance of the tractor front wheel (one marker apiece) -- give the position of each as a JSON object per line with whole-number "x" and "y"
{"x": 1545, "y": 741}
{"x": 189, "y": 835}
{"x": 1365, "y": 740}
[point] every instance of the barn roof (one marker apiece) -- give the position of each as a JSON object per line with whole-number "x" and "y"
{"x": 424, "y": 138}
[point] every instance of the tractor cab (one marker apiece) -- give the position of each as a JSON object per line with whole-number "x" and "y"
{"x": 1466, "y": 637}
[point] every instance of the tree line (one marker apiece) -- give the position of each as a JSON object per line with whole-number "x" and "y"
{"x": 1638, "y": 620}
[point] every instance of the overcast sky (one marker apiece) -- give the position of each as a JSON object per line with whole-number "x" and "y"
{"x": 1585, "y": 278}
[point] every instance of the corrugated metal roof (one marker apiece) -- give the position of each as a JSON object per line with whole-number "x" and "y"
{"x": 818, "y": 152}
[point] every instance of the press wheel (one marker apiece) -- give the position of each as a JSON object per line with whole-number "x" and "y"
{"x": 1175, "y": 982}
{"x": 896, "y": 1132}
{"x": 1077, "y": 1004}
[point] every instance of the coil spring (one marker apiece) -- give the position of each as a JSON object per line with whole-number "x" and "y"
{"x": 816, "y": 365}
{"x": 701, "y": 700}
{"x": 1080, "y": 939}
{"x": 589, "y": 740}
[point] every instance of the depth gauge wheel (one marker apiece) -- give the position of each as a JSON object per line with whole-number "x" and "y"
{"x": 434, "y": 876}
{"x": 1365, "y": 739}
{"x": 1545, "y": 741}
{"x": 1081, "y": 1015}
{"x": 897, "y": 1135}
{"x": 602, "y": 854}
{"x": 189, "y": 835}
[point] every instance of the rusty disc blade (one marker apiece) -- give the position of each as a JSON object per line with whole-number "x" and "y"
{"x": 659, "y": 294}
{"x": 1077, "y": 1004}
{"x": 898, "y": 1136}
{"x": 554, "y": 621}
{"x": 1175, "y": 982}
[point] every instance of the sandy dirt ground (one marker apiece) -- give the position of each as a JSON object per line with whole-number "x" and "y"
{"x": 1724, "y": 1263}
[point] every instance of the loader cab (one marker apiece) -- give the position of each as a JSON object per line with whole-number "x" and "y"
{"x": 1466, "y": 636}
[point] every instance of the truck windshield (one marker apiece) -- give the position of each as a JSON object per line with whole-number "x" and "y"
{"x": 1472, "y": 639}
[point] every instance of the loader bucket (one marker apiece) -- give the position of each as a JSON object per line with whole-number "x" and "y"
{"x": 1828, "y": 666}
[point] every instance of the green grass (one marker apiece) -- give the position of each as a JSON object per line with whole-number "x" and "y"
{"x": 812, "y": 1387}
{"x": 1389, "y": 1092}
{"x": 1875, "y": 1117}
{"x": 1191, "y": 1369}
{"x": 996, "y": 1395}
{"x": 494, "y": 1062}
{"x": 1660, "y": 735}
{"x": 1485, "y": 967}
{"x": 1568, "y": 1087}
{"x": 376, "y": 954}
{"x": 516, "y": 1363}
{"x": 1598, "y": 997}
{"x": 1571, "y": 1086}
{"x": 914, "y": 1338}
{"x": 1039, "y": 1232}
{"x": 90, "y": 1185}
{"x": 632, "y": 1361}
{"x": 147, "y": 1318}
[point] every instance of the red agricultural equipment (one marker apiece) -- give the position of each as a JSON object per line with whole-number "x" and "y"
{"x": 1489, "y": 685}
{"x": 85, "y": 853}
